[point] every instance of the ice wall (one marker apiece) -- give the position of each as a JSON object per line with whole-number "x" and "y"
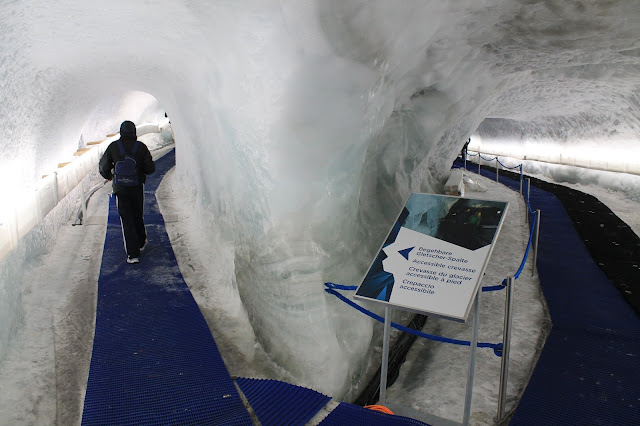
{"x": 302, "y": 126}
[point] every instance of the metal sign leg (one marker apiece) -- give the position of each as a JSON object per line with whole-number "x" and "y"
{"x": 506, "y": 347}
{"x": 472, "y": 360}
{"x": 385, "y": 355}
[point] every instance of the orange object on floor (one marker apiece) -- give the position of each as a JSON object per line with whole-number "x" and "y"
{"x": 380, "y": 408}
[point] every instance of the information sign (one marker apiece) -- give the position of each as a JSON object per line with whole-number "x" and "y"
{"x": 434, "y": 257}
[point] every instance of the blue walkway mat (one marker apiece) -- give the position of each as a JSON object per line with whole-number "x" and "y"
{"x": 277, "y": 403}
{"x": 154, "y": 360}
{"x": 589, "y": 369}
{"x": 354, "y": 415}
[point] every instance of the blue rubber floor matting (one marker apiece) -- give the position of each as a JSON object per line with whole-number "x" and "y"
{"x": 588, "y": 372}
{"x": 154, "y": 360}
{"x": 278, "y": 403}
{"x": 354, "y": 415}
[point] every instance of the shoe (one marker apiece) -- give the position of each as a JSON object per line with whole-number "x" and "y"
{"x": 132, "y": 259}
{"x": 143, "y": 246}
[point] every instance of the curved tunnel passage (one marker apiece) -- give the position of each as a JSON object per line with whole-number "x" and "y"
{"x": 303, "y": 126}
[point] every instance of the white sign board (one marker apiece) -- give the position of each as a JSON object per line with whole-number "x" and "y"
{"x": 434, "y": 257}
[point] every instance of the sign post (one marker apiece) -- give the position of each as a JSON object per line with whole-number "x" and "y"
{"x": 432, "y": 262}
{"x": 506, "y": 348}
{"x": 472, "y": 361}
{"x": 384, "y": 367}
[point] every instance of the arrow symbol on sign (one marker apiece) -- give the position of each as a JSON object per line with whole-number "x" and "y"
{"x": 405, "y": 253}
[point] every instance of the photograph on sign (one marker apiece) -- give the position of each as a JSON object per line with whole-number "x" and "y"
{"x": 434, "y": 256}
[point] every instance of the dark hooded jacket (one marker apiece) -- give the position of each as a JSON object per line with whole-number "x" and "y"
{"x": 128, "y": 136}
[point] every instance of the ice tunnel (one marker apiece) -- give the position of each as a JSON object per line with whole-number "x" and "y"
{"x": 302, "y": 126}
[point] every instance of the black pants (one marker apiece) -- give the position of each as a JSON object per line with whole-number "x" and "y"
{"x": 130, "y": 202}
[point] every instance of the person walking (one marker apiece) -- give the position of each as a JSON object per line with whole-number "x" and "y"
{"x": 126, "y": 163}
{"x": 465, "y": 149}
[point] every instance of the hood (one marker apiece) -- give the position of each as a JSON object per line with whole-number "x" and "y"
{"x": 128, "y": 130}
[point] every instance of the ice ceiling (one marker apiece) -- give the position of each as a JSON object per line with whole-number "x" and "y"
{"x": 301, "y": 126}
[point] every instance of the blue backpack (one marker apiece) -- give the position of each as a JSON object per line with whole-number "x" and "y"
{"x": 126, "y": 169}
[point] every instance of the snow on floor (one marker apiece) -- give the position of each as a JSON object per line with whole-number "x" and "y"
{"x": 43, "y": 379}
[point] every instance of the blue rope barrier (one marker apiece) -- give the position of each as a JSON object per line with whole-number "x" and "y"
{"x": 471, "y": 155}
{"x": 529, "y": 205}
{"x": 487, "y": 159}
{"x": 495, "y": 287}
{"x": 340, "y": 287}
{"x": 497, "y": 347}
{"x": 507, "y": 167}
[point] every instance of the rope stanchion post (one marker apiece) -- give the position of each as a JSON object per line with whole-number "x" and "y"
{"x": 526, "y": 213}
{"x": 535, "y": 243}
{"x": 520, "y": 179}
{"x": 479, "y": 158}
{"x": 385, "y": 355}
{"x": 83, "y": 200}
{"x": 497, "y": 168}
{"x": 506, "y": 345}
